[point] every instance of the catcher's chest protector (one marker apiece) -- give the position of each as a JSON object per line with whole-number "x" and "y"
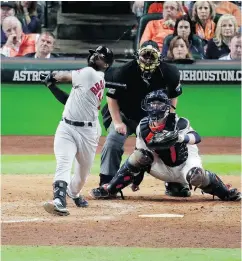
{"x": 175, "y": 155}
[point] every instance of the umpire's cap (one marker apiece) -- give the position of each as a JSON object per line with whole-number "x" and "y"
{"x": 105, "y": 53}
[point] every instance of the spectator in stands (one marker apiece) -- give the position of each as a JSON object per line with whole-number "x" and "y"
{"x": 235, "y": 48}
{"x": 225, "y": 30}
{"x": 157, "y": 7}
{"x": 27, "y": 14}
{"x": 178, "y": 49}
{"x": 7, "y": 9}
{"x": 18, "y": 43}
{"x": 186, "y": 30}
{"x": 41, "y": 11}
{"x": 226, "y": 7}
{"x": 157, "y": 30}
{"x": 138, "y": 8}
{"x": 44, "y": 47}
{"x": 203, "y": 13}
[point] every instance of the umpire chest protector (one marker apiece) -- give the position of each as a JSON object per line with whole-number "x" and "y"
{"x": 165, "y": 77}
{"x": 175, "y": 155}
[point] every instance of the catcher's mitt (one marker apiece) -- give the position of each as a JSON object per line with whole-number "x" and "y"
{"x": 47, "y": 78}
{"x": 163, "y": 140}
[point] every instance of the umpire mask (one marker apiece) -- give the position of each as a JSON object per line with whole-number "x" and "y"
{"x": 148, "y": 58}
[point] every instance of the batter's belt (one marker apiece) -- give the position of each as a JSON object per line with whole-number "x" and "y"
{"x": 78, "y": 123}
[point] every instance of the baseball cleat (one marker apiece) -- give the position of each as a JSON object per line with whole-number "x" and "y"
{"x": 79, "y": 201}
{"x": 101, "y": 193}
{"x": 234, "y": 195}
{"x": 56, "y": 208}
{"x": 174, "y": 189}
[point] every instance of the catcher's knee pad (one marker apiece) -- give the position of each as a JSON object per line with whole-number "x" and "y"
{"x": 141, "y": 159}
{"x": 197, "y": 177}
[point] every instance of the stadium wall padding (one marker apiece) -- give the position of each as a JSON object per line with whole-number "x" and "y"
{"x": 33, "y": 110}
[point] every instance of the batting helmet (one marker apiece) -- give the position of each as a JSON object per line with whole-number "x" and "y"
{"x": 101, "y": 56}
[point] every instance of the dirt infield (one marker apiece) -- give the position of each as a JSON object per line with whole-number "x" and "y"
{"x": 206, "y": 223}
{"x": 44, "y": 145}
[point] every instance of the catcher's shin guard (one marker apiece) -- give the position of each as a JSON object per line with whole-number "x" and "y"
{"x": 122, "y": 179}
{"x": 140, "y": 160}
{"x": 215, "y": 185}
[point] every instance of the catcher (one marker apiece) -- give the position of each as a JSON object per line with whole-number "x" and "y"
{"x": 170, "y": 155}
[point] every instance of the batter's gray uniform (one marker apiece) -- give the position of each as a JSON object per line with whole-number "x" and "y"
{"x": 79, "y": 143}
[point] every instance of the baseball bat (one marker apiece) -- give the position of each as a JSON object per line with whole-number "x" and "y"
{"x": 115, "y": 85}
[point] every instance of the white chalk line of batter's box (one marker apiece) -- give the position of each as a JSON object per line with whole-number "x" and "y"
{"x": 23, "y": 220}
{"x": 164, "y": 215}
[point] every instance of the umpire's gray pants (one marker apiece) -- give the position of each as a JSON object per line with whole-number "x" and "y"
{"x": 113, "y": 150}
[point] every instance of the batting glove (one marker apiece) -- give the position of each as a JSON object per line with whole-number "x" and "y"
{"x": 47, "y": 79}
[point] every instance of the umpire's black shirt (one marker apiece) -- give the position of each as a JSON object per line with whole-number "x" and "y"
{"x": 166, "y": 77}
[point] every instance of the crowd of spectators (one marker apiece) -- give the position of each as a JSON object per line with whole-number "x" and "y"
{"x": 201, "y": 29}
{"x": 21, "y": 26}
{"x": 188, "y": 29}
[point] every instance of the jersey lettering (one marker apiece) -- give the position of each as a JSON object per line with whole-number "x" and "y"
{"x": 97, "y": 89}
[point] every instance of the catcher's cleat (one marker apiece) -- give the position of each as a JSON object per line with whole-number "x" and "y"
{"x": 101, "y": 193}
{"x": 234, "y": 195}
{"x": 56, "y": 208}
{"x": 79, "y": 201}
{"x": 174, "y": 189}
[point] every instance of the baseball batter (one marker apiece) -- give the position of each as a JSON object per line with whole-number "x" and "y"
{"x": 167, "y": 154}
{"x": 78, "y": 132}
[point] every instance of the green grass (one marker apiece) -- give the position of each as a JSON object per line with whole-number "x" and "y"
{"x": 10, "y": 253}
{"x": 45, "y": 164}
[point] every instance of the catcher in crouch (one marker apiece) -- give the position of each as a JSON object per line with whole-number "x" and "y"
{"x": 168, "y": 153}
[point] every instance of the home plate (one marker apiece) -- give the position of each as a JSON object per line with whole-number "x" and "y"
{"x": 162, "y": 215}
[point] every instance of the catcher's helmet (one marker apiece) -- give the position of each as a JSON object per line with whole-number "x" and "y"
{"x": 100, "y": 57}
{"x": 157, "y": 105}
{"x": 148, "y": 58}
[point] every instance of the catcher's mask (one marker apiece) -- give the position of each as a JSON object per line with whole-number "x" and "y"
{"x": 157, "y": 105}
{"x": 148, "y": 58}
{"x": 101, "y": 58}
